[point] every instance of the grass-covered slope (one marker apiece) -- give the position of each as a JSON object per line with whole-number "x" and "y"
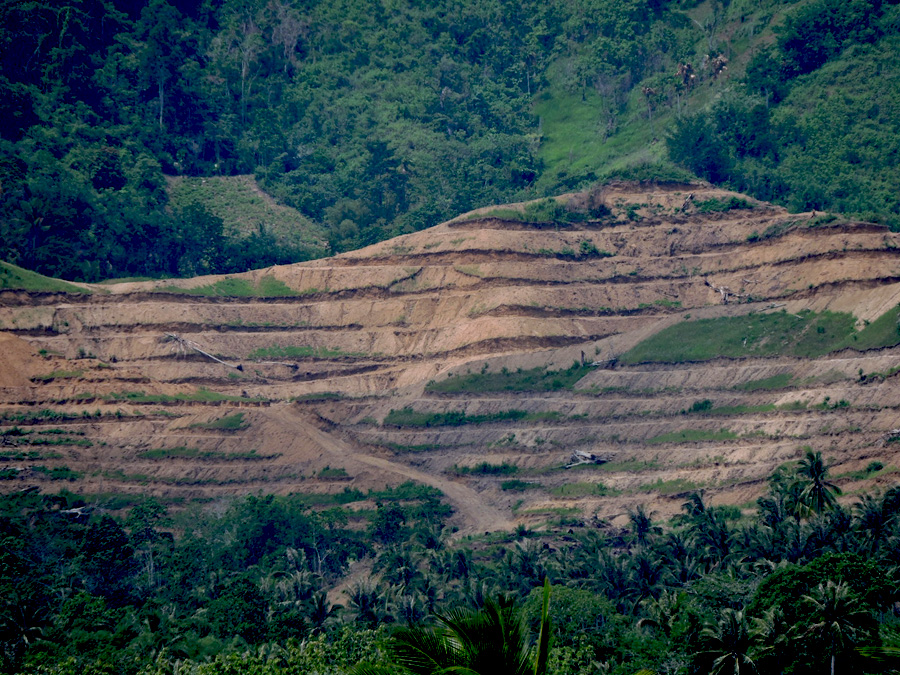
{"x": 245, "y": 209}
{"x": 16, "y": 278}
{"x": 805, "y": 334}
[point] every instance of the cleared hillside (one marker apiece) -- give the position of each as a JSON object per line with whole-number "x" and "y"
{"x": 434, "y": 357}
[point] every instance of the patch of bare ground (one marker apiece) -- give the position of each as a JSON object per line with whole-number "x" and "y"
{"x": 315, "y": 373}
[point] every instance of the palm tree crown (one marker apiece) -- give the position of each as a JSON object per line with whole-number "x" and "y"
{"x": 493, "y": 640}
{"x": 818, "y": 494}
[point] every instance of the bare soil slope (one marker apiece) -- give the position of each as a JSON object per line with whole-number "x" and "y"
{"x": 281, "y": 379}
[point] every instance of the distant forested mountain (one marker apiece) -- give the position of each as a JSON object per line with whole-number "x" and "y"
{"x": 377, "y": 117}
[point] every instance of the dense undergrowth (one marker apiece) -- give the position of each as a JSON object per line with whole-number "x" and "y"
{"x": 121, "y": 585}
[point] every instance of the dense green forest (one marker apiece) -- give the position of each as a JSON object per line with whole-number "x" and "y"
{"x": 378, "y": 117}
{"x": 797, "y": 582}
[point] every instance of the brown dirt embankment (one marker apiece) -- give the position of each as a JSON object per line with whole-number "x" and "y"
{"x": 361, "y": 334}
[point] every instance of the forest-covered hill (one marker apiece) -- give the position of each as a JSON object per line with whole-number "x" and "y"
{"x": 375, "y": 118}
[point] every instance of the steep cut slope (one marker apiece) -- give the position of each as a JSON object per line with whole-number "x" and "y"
{"x": 315, "y": 376}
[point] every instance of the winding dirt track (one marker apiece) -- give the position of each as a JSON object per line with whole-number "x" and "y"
{"x": 476, "y": 515}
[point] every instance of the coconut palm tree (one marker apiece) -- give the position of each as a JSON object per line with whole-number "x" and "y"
{"x": 818, "y": 494}
{"x": 773, "y": 636}
{"x": 663, "y": 612}
{"x": 370, "y": 603}
{"x": 837, "y": 615}
{"x": 493, "y": 640}
{"x": 730, "y": 644}
{"x": 641, "y": 525}
{"x": 875, "y": 517}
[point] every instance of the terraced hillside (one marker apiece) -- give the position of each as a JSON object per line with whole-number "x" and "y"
{"x": 483, "y": 357}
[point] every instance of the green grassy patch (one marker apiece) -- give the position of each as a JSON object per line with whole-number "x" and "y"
{"x": 202, "y": 395}
{"x": 182, "y": 452}
{"x": 743, "y": 409}
{"x": 715, "y": 205}
{"x": 61, "y": 440}
{"x": 23, "y": 455}
{"x": 233, "y": 422}
{"x": 18, "y": 278}
{"x": 56, "y": 472}
{"x": 628, "y": 466}
{"x": 882, "y": 332}
{"x": 806, "y": 334}
{"x": 534, "y": 379}
{"x": 779, "y": 381}
{"x": 407, "y": 417}
{"x": 573, "y": 148}
{"x": 516, "y": 485}
{"x": 329, "y": 473}
{"x": 692, "y": 436}
{"x": 485, "y": 469}
{"x": 872, "y": 470}
{"x": 547, "y": 211}
{"x": 580, "y": 490}
{"x": 407, "y": 491}
{"x": 58, "y": 375}
{"x": 319, "y": 396}
{"x": 706, "y": 407}
{"x": 399, "y": 448}
{"x": 43, "y": 415}
{"x": 268, "y": 287}
{"x": 298, "y": 352}
{"x": 242, "y": 207}
{"x": 669, "y": 487}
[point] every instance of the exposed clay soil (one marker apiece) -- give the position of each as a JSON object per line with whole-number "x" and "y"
{"x": 476, "y": 292}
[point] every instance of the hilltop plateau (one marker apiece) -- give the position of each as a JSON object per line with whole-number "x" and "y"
{"x": 554, "y": 362}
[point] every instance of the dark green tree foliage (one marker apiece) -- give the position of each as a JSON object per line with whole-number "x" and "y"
{"x": 790, "y": 139}
{"x": 376, "y": 119}
{"x": 806, "y": 594}
{"x": 819, "y": 31}
{"x": 239, "y": 609}
{"x": 783, "y": 589}
{"x": 492, "y": 639}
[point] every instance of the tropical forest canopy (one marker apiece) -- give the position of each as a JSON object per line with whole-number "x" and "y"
{"x": 373, "y": 118}
{"x": 795, "y": 583}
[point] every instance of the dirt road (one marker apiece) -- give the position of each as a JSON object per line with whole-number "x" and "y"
{"x": 474, "y": 513}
